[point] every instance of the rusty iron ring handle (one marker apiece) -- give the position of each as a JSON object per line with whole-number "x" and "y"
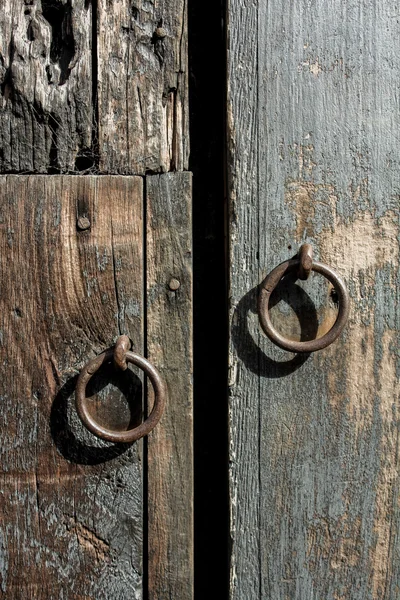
{"x": 160, "y": 394}
{"x": 268, "y": 286}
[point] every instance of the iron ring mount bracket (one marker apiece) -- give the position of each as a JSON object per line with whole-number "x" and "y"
{"x": 121, "y": 356}
{"x": 303, "y": 265}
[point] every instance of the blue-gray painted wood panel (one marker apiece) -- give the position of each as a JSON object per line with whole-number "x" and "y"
{"x": 314, "y": 138}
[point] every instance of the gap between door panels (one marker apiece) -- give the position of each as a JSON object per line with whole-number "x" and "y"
{"x": 207, "y": 93}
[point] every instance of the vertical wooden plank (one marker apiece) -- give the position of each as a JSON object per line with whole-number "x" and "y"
{"x": 71, "y": 505}
{"x": 142, "y": 89}
{"x": 169, "y": 343}
{"x": 244, "y": 211}
{"x": 314, "y": 440}
{"x": 45, "y": 86}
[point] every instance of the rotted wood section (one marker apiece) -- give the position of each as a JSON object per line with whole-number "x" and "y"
{"x": 72, "y": 279}
{"x": 314, "y": 157}
{"x": 46, "y": 75}
{"x": 93, "y": 87}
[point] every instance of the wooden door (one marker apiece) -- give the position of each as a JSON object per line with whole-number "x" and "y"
{"x": 95, "y": 238}
{"x": 313, "y": 156}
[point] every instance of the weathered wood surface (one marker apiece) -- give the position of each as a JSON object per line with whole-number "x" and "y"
{"x": 74, "y": 100}
{"x": 71, "y": 506}
{"x": 313, "y": 137}
{"x": 169, "y": 343}
{"x": 142, "y": 91}
{"x": 71, "y": 101}
{"x": 45, "y": 85}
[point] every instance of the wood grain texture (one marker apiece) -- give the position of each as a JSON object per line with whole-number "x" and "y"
{"x": 169, "y": 341}
{"x": 50, "y": 72}
{"x": 313, "y": 142}
{"x": 71, "y": 505}
{"x": 45, "y": 85}
{"x": 142, "y": 91}
{"x": 242, "y": 117}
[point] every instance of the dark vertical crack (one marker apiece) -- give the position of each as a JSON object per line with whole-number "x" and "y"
{"x": 54, "y": 166}
{"x": 145, "y": 408}
{"x": 181, "y": 39}
{"x": 36, "y": 396}
{"x": 88, "y": 159}
{"x": 174, "y": 157}
{"x": 95, "y": 85}
{"x": 117, "y": 298}
{"x": 37, "y": 498}
{"x": 140, "y": 103}
{"x": 128, "y": 116}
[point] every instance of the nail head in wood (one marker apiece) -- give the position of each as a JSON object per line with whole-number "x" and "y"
{"x": 160, "y": 33}
{"x": 174, "y": 284}
{"x": 83, "y": 223}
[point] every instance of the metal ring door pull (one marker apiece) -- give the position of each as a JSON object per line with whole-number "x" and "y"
{"x": 121, "y": 356}
{"x": 303, "y": 264}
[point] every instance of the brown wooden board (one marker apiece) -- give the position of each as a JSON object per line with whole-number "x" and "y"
{"x": 90, "y": 88}
{"x": 71, "y": 506}
{"x": 169, "y": 343}
{"x": 313, "y": 135}
{"x": 45, "y": 85}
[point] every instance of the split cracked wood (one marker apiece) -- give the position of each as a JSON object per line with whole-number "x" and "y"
{"x": 45, "y": 85}
{"x": 114, "y": 100}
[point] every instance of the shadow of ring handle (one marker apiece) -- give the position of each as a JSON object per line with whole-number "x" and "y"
{"x": 268, "y": 286}
{"x": 131, "y": 435}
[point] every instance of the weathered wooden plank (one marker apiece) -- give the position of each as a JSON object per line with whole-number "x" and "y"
{"x": 313, "y": 140}
{"x": 71, "y": 505}
{"x": 139, "y": 74}
{"x": 169, "y": 343}
{"x": 45, "y": 86}
{"x": 142, "y": 88}
{"x": 244, "y": 409}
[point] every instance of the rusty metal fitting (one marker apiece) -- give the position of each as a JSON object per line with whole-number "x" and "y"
{"x": 270, "y": 283}
{"x": 122, "y": 345}
{"x": 159, "y": 387}
{"x": 306, "y": 261}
